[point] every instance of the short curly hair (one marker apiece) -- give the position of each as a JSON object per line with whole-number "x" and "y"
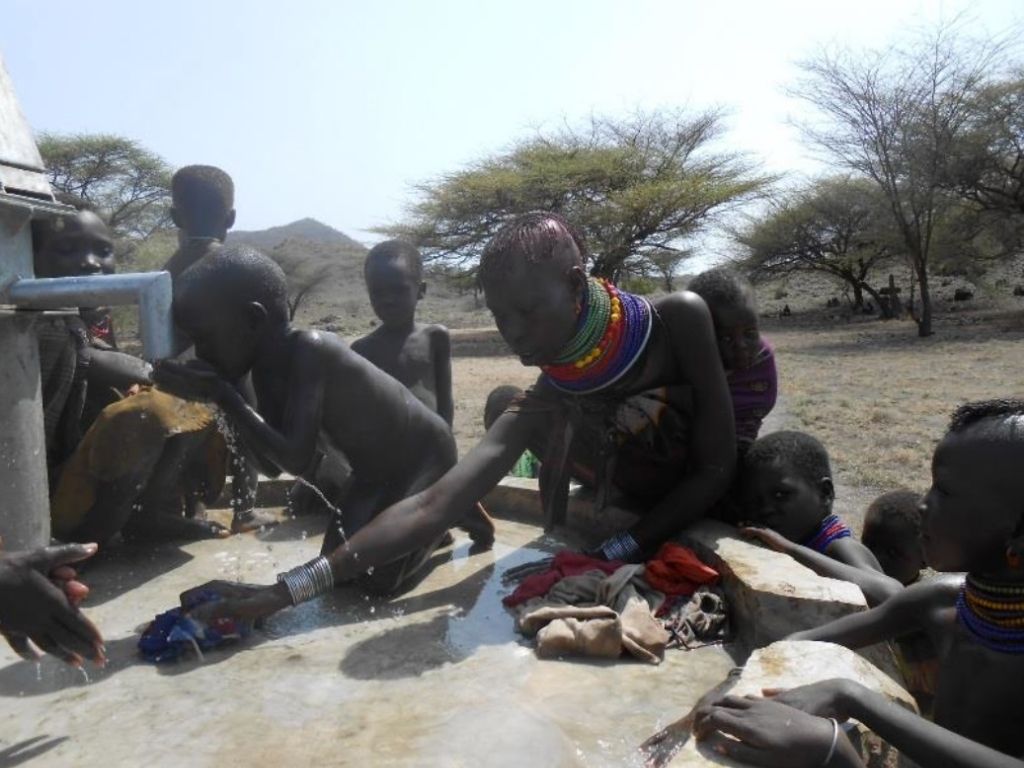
{"x": 804, "y": 453}
{"x": 722, "y": 286}
{"x": 533, "y": 238}
{"x": 396, "y": 250}
{"x": 893, "y": 514}
{"x": 1007, "y": 415}
{"x": 238, "y": 274}
{"x": 205, "y": 194}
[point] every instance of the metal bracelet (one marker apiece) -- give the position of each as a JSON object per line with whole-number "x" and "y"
{"x": 835, "y": 742}
{"x": 621, "y": 546}
{"x": 309, "y": 580}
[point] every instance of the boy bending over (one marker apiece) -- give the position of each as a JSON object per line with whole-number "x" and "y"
{"x": 973, "y": 521}
{"x": 311, "y": 388}
{"x": 786, "y": 495}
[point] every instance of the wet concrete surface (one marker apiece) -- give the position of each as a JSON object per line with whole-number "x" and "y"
{"x": 436, "y": 677}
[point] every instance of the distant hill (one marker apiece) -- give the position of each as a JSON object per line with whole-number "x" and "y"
{"x": 304, "y": 229}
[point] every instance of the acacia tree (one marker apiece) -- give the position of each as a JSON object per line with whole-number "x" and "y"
{"x": 986, "y": 168}
{"x": 837, "y": 226}
{"x": 636, "y": 188}
{"x": 129, "y": 185}
{"x": 893, "y": 116}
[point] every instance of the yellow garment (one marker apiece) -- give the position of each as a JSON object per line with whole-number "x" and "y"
{"x": 125, "y": 431}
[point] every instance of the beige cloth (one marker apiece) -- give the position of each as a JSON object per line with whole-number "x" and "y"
{"x": 598, "y": 616}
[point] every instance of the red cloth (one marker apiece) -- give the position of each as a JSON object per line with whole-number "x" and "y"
{"x": 677, "y": 571}
{"x": 565, "y": 563}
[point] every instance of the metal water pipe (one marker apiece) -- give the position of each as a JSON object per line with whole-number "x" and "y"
{"x": 150, "y": 290}
{"x": 25, "y": 194}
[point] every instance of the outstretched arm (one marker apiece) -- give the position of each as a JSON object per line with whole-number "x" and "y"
{"x": 292, "y": 447}
{"x": 922, "y": 741}
{"x": 441, "y": 349}
{"x": 109, "y": 369}
{"x": 711, "y": 458}
{"x": 852, "y": 552}
{"x": 900, "y": 615}
{"x": 402, "y": 527}
{"x": 877, "y": 587}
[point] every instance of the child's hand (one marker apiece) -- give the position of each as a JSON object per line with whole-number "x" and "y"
{"x": 765, "y": 733}
{"x": 242, "y": 602}
{"x": 829, "y": 698}
{"x": 768, "y": 537}
{"x": 192, "y": 381}
{"x": 39, "y": 593}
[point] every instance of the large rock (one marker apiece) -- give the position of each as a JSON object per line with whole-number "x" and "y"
{"x": 789, "y": 664}
{"x": 771, "y": 595}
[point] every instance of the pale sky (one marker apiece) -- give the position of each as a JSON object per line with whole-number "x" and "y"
{"x": 333, "y": 109}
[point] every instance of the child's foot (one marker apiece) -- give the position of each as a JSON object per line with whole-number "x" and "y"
{"x": 480, "y": 527}
{"x": 253, "y": 520}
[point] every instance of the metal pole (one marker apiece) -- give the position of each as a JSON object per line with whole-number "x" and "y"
{"x": 24, "y": 496}
{"x": 150, "y": 290}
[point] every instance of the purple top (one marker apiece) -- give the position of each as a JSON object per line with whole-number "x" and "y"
{"x": 753, "y": 394}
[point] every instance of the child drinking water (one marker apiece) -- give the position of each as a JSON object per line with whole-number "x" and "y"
{"x": 311, "y": 388}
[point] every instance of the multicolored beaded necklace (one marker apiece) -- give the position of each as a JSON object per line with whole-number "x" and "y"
{"x": 831, "y": 529}
{"x": 611, "y": 333}
{"x": 993, "y": 613}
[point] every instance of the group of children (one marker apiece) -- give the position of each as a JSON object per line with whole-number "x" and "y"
{"x": 658, "y": 401}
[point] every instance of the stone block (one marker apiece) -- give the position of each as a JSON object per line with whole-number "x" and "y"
{"x": 789, "y": 664}
{"x": 771, "y": 595}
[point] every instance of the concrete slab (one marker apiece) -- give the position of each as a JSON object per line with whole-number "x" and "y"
{"x": 433, "y": 678}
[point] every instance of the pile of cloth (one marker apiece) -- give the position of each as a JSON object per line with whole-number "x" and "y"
{"x": 576, "y": 605}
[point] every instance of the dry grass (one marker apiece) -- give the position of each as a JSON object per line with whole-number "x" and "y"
{"x": 880, "y": 398}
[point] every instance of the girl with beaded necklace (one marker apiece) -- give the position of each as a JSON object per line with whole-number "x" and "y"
{"x": 630, "y": 389}
{"x": 973, "y": 521}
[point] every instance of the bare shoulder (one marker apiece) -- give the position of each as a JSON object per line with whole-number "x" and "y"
{"x": 684, "y": 307}
{"x": 438, "y": 336}
{"x": 322, "y": 345}
{"x": 690, "y": 332}
{"x": 688, "y": 321}
{"x": 436, "y": 330}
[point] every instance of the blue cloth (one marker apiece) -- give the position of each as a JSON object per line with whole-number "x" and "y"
{"x": 173, "y": 634}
